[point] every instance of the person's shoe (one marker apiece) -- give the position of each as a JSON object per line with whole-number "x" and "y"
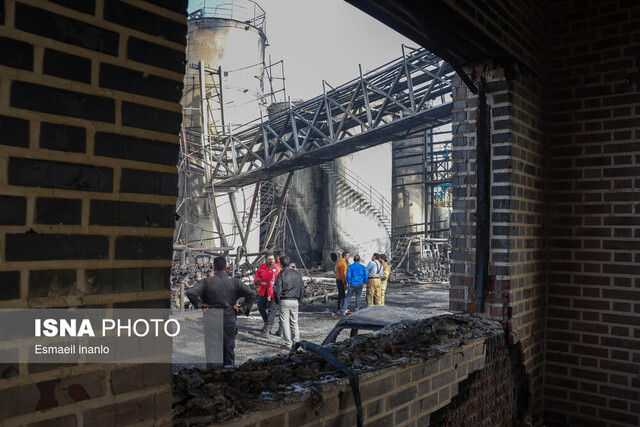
{"x": 348, "y": 313}
{"x": 337, "y": 314}
{"x": 277, "y": 333}
{"x": 264, "y": 333}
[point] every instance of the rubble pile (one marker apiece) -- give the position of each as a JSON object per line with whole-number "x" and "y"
{"x": 202, "y": 397}
{"x": 318, "y": 288}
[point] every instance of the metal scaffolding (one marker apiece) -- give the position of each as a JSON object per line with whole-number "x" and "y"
{"x": 402, "y": 98}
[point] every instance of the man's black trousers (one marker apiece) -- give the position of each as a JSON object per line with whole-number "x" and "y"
{"x": 268, "y": 310}
{"x": 340, "y": 286}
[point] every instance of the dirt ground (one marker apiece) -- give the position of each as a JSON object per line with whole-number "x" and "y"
{"x": 315, "y": 321}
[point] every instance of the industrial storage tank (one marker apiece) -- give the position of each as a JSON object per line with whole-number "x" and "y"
{"x": 229, "y": 38}
{"x": 359, "y": 224}
{"x": 304, "y": 218}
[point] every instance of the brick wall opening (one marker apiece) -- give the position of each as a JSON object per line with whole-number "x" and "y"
{"x": 89, "y": 118}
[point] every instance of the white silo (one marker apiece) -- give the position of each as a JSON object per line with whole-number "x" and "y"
{"x": 228, "y": 38}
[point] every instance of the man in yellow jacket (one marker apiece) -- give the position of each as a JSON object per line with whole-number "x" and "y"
{"x": 341, "y": 278}
{"x": 384, "y": 278}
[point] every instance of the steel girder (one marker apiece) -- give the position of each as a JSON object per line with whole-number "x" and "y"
{"x": 392, "y": 102}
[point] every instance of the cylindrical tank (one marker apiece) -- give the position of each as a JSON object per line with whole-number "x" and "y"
{"x": 409, "y": 198}
{"x": 229, "y": 38}
{"x": 353, "y": 225}
{"x": 304, "y": 208}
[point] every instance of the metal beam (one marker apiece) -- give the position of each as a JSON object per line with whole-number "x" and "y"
{"x": 399, "y": 129}
{"x": 385, "y": 104}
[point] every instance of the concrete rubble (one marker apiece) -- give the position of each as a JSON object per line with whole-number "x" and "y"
{"x": 202, "y": 397}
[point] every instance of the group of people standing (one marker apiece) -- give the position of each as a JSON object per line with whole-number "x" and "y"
{"x": 280, "y": 289}
{"x": 351, "y": 278}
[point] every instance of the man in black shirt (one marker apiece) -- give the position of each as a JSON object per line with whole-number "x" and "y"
{"x": 288, "y": 290}
{"x": 222, "y": 292}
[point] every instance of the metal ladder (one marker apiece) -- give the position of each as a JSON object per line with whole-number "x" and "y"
{"x": 270, "y": 191}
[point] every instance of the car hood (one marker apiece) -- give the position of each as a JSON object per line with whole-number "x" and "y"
{"x": 381, "y": 315}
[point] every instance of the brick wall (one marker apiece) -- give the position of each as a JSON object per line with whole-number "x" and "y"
{"x": 593, "y": 316}
{"x": 516, "y": 287}
{"x": 515, "y": 92}
{"x": 412, "y": 395}
{"x": 494, "y": 395}
{"x": 562, "y": 86}
{"x": 564, "y": 204}
{"x": 89, "y": 118}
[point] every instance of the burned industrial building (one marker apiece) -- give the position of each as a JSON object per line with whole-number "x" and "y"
{"x": 511, "y": 130}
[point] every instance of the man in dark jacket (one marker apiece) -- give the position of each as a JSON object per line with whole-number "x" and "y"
{"x": 288, "y": 291}
{"x": 222, "y": 292}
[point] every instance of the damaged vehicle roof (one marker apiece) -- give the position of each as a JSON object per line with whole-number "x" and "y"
{"x": 376, "y": 317}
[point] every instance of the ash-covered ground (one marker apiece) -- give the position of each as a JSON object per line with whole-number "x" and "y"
{"x": 315, "y": 321}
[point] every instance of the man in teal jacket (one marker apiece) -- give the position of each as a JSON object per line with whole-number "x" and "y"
{"x": 356, "y": 277}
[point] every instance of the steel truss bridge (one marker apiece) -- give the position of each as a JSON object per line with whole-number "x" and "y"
{"x": 401, "y": 98}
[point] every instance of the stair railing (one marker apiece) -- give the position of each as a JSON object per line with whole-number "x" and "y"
{"x": 372, "y": 196}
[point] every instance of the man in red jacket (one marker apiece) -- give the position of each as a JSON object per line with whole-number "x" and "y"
{"x": 265, "y": 278}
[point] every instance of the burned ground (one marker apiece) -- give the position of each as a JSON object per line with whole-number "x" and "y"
{"x": 315, "y": 321}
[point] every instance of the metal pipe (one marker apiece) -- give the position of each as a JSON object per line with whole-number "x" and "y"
{"x": 284, "y": 87}
{"x": 181, "y": 297}
{"x": 409, "y": 81}
{"x": 221, "y": 99}
{"x": 183, "y": 255}
{"x": 428, "y": 190}
{"x": 216, "y": 219}
{"x": 253, "y": 205}
{"x": 185, "y": 249}
{"x": 204, "y": 121}
{"x": 234, "y": 209}
{"x": 483, "y": 202}
{"x": 366, "y": 98}
{"x": 328, "y": 111}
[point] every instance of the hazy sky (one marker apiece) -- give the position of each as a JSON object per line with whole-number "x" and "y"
{"x": 327, "y": 39}
{"x": 323, "y": 39}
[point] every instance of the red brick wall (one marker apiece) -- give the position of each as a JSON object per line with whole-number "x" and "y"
{"x": 494, "y": 395}
{"x": 565, "y": 209}
{"x": 516, "y": 291}
{"x": 405, "y": 395}
{"x": 517, "y": 137}
{"x": 593, "y": 315}
{"x": 89, "y": 120}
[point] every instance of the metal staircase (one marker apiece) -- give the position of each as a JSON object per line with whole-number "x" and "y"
{"x": 369, "y": 199}
{"x": 271, "y": 223}
{"x": 372, "y": 201}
